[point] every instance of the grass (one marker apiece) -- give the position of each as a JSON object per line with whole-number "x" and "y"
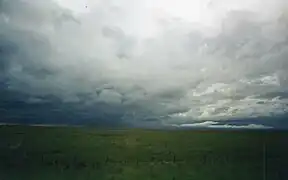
{"x": 62, "y": 153}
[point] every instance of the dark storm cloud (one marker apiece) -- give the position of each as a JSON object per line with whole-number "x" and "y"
{"x": 121, "y": 62}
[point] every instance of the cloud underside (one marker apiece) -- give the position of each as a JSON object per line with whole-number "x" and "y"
{"x": 141, "y": 64}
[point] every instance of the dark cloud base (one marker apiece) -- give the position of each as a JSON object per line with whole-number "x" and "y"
{"x": 15, "y": 109}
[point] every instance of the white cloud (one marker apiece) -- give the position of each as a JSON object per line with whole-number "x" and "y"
{"x": 156, "y": 58}
{"x": 250, "y": 126}
{"x": 202, "y": 124}
{"x": 213, "y": 124}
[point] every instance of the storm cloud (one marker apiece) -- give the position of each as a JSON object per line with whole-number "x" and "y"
{"x": 142, "y": 63}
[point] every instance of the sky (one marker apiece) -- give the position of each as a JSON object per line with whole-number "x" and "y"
{"x": 151, "y": 63}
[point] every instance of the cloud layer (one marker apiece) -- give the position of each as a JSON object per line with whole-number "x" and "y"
{"x": 146, "y": 62}
{"x": 213, "y": 124}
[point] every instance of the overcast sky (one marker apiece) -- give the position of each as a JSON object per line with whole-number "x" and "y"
{"x": 144, "y": 63}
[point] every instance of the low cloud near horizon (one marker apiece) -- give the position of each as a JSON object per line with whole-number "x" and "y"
{"x": 143, "y": 63}
{"x": 213, "y": 124}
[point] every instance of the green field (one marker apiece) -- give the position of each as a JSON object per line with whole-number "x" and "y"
{"x": 68, "y": 153}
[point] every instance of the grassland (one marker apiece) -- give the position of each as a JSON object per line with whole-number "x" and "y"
{"x": 70, "y": 153}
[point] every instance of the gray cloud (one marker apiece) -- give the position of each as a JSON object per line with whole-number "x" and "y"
{"x": 148, "y": 66}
